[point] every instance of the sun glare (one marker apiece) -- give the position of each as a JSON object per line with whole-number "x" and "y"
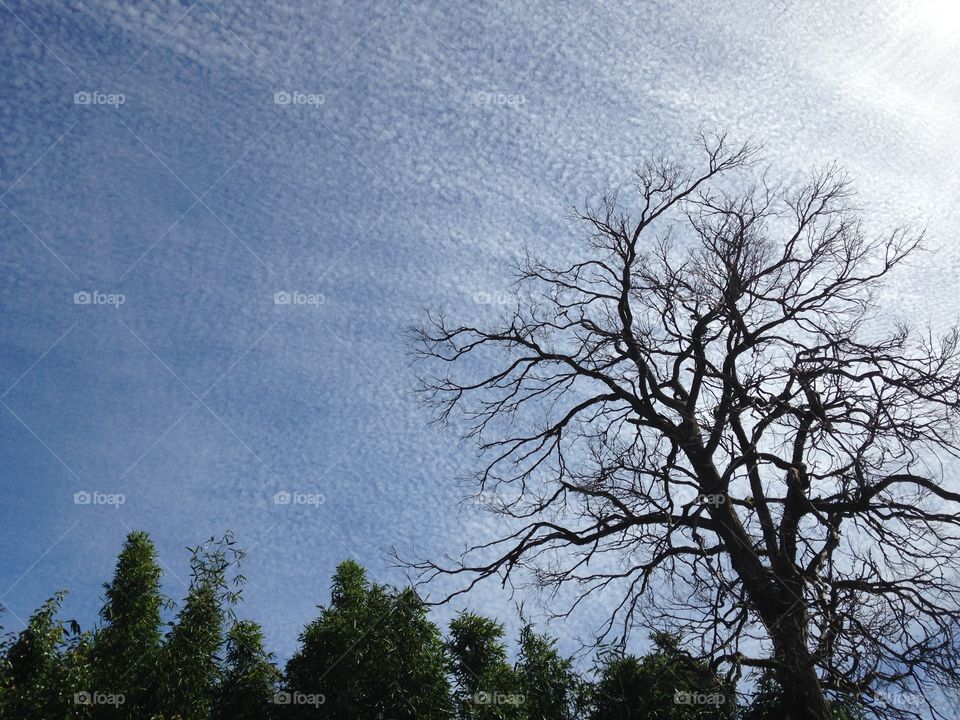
{"x": 937, "y": 19}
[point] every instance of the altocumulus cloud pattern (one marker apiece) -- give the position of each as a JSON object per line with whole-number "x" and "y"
{"x": 218, "y": 218}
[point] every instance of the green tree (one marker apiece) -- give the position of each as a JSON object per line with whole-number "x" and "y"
{"x": 371, "y": 654}
{"x": 768, "y": 703}
{"x": 76, "y": 674}
{"x": 249, "y": 677}
{"x": 666, "y": 684}
{"x": 38, "y": 680}
{"x": 6, "y": 640}
{"x": 619, "y": 689}
{"x": 547, "y": 680}
{"x": 485, "y": 685}
{"x": 190, "y": 665}
{"x": 126, "y": 647}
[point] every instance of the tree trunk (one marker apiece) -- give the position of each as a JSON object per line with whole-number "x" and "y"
{"x": 781, "y": 609}
{"x": 803, "y": 697}
{"x": 785, "y": 618}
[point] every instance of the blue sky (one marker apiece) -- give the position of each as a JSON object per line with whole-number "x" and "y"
{"x": 422, "y": 147}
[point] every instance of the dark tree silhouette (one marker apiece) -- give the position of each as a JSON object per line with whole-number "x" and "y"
{"x": 767, "y": 703}
{"x": 704, "y": 410}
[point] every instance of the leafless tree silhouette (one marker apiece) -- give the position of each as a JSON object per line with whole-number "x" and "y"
{"x": 707, "y": 418}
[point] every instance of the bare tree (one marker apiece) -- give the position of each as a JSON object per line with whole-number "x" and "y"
{"x": 706, "y": 417}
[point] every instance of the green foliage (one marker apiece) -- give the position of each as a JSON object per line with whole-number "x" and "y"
{"x": 373, "y": 653}
{"x": 620, "y": 689}
{"x": 547, "y": 681}
{"x": 541, "y": 686}
{"x": 767, "y": 704}
{"x": 189, "y": 660}
{"x": 77, "y": 673}
{"x": 666, "y": 684}
{"x": 250, "y": 678}
{"x": 485, "y": 686}
{"x": 45, "y": 668}
{"x": 125, "y": 653}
